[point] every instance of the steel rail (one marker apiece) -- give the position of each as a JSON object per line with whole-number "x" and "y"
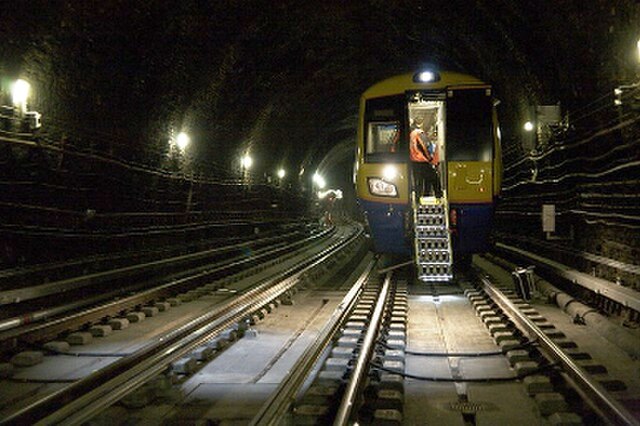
{"x": 32, "y": 333}
{"x": 280, "y": 401}
{"x": 8, "y": 327}
{"x": 66, "y": 268}
{"x": 597, "y": 397}
{"x": 85, "y": 398}
{"x": 23, "y": 294}
{"x": 349, "y": 399}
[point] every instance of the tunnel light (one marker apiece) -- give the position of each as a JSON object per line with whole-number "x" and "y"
{"x": 426, "y": 76}
{"x": 528, "y": 126}
{"x": 20, "y": 92}
{"x": 281, "y": 173}
{"x": 638, "y": 45}
{"x": 390, "y": 172}
{"x": 246, "y": 161}
{"x": 319, "y": 181}
{"x": 182, "y": 140}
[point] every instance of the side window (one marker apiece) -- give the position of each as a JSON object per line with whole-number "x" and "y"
{"x": 383, "y": 128}
{"x": 383, "y": 137}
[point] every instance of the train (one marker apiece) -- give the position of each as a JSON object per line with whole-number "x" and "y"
{"x": 458, "y": 111}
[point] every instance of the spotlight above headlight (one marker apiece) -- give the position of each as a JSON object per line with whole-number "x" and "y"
{"x": 426, "y": 76}
{"x": 390, "y": 172}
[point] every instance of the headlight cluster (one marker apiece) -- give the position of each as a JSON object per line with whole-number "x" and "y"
{"x": 381, "y": 188}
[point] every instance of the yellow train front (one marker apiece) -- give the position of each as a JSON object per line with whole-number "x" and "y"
{"x": 458, "y": 112}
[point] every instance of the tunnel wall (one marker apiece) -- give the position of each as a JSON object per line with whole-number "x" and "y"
{"x": 591, "y": 176}
{"x": 119, "y": 78}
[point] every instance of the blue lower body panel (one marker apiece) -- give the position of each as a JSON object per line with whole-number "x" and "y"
{"x": 388, "y": 227}
{"x": 474, "y": 228}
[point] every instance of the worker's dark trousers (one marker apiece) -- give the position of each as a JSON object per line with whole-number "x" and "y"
{"x": 426, "y": 180}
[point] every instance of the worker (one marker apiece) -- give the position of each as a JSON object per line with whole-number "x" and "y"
{"x": 424, "y": 157}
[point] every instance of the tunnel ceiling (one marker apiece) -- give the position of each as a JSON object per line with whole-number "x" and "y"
{"x": 282, "y": 79}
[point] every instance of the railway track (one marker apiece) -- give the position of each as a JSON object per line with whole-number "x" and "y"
{"x": 557, "y": 351}
{"x": 110, "y": 296}
{"x": 375, "y": 366}
{"x": 360, "y": 346}
{"x": 237, "y": 300}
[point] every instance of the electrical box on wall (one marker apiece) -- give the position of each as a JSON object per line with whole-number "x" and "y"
{"x": 549, "y": 218}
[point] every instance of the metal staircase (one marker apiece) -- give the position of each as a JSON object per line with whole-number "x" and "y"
{"x": 432, "y": 245}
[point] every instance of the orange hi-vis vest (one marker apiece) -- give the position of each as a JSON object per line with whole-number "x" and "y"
{"x": 418, "y": 150}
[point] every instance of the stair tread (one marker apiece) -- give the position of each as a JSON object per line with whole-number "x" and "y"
{"x": 432, "y": 240}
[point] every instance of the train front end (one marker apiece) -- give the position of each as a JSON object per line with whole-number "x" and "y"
{"x": 457, "y": 111}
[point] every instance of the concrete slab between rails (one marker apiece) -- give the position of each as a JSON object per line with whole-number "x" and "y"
{"x": 60, "y": 368}
{"x": 282, "y": 336}
{"x": 426, "y": 400}
{"x": 221, "y": 403}
{"x": 503, "y": 404}
{"x": 485, "y": 367}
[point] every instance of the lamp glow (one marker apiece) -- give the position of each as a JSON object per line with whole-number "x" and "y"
{"x": 182, "y": 140}
{"x": 319, "y": 181}
{"x": 246, "y": 161}
{"x": 638, "y": 50}
{"x": 390, "y": 172}
{"x": 281, "y": 173}
{"x": 528, "y": 126}
{"x": 20, "y": 92}
{"x": 426, "y": 76}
